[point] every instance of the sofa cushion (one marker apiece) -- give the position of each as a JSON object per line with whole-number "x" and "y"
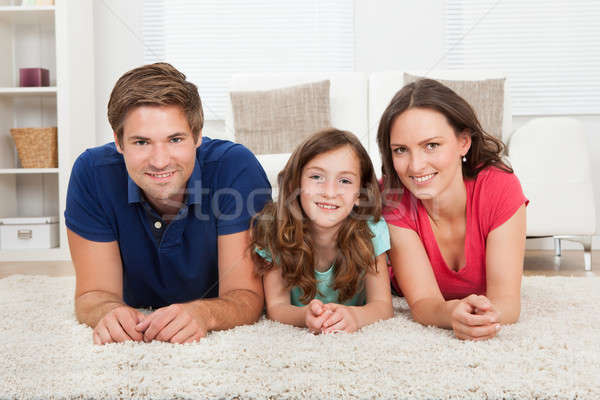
{"x": 486, "y": 96}
{"x": 276, "y": 121}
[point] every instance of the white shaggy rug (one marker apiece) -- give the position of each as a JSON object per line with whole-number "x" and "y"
{"x": 553, "y": 352}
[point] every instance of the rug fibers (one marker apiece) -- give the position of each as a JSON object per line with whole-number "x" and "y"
{"x": 553, "y": 352}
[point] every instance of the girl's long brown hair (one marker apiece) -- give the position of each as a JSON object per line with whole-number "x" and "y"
{"x": 485, "y": 149}
{"x": 282, "y": 228}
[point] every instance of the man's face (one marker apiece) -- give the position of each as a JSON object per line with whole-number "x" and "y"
{"x": 159, "y": 152}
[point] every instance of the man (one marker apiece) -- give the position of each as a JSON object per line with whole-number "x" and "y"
{"x": 159, "y": 219}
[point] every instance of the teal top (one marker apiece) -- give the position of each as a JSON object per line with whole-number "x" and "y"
{"x": 325, "y": 291}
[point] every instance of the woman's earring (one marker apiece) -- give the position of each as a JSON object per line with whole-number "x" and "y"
{"x": 464, "y": 159}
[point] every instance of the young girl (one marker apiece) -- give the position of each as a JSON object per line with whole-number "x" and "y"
{"x": 321, "y": 247}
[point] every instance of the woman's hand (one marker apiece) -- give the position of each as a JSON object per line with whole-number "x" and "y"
{"x": 341, "y": 319}
{"x": 475, "y": 318}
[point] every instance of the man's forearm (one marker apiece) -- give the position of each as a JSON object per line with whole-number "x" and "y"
{"x": 90, "y": 307}
{"x": 238, "y": 307}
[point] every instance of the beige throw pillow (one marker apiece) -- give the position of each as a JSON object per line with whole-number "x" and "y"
{"x": 276, "y": 121}
{"x": 485, "y": 96}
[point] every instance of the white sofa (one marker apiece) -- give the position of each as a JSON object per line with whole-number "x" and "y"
{"x": 555, "y": 173}
{"x": 551, "y": 158}
{"x": 348, "y": 106}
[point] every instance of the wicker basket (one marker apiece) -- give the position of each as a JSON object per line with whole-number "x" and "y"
{"x": 37, "y": 147}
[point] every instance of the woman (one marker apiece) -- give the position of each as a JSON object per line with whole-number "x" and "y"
{"x": 455, "y": 210}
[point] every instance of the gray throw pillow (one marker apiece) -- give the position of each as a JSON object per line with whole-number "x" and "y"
{"x": 485, "y": 96}
{"x": 276, "y": 121}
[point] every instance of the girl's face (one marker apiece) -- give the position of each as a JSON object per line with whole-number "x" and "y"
{"x": 426, "y": 152}
{"x": 329, "y": 187}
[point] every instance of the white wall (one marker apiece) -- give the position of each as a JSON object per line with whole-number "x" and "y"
{"x": 399, "y": 35}
{"x": 118, "y": 47}
{"x": 390, "y": 35}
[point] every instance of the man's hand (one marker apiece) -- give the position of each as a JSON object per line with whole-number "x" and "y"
{"x": 475, "y": 318}
{"x": 315, "y": 314}
{"x": 118, "y": 325}
{"x": 341, "y": 319}
{"x": 174, "y": 324}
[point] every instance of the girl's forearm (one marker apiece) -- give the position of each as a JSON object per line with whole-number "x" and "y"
{"x": 287, "y": 314}
{"x": 373, "y": 312}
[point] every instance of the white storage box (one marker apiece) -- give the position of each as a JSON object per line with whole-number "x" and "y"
{"x": 28, "y": 233}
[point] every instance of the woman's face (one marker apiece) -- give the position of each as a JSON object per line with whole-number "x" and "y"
{"x": 426, "y": 152}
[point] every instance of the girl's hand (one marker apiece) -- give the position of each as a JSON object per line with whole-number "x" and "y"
{"x": 475, "y": 318}
{"x": 314, "y": 315}
{"x": 342, "y": 319}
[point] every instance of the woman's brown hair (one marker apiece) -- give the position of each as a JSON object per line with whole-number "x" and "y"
{"x": 282, "y": 228}
{"x": 485, "y": 149}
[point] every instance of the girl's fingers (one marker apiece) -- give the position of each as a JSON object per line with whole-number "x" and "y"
{"x": 316, "y": 307}
{"x": 335, "y": 318}
{"x": 337, "y": 327}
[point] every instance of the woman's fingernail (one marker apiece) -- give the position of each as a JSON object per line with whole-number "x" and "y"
{"x": 497, "y": 327}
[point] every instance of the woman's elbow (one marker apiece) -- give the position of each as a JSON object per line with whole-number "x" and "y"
{"x": 512, "y": 316}
{"x": 422, "y": 315}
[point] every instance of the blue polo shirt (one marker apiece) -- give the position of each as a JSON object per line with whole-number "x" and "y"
{"x": 227, "y": 187}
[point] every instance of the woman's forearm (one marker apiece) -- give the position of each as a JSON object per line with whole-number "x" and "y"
{"x": 434, "y": 312}
{"x": 509, "y": 308}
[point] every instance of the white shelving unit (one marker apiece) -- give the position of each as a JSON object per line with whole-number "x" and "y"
{"x": 27, "y": 91}
{"x": 60, "y": 39}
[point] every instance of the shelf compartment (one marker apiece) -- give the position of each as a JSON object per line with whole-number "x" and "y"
{"x": 29, "y": 195}
{"x": 28, "y": 15}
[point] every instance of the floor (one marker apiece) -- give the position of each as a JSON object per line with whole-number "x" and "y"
{"x": 537, "y": 262}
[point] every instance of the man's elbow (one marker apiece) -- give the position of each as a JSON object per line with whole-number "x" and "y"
{"x": 81, "y": 312}
{"x": 257, "y": 307}
{"x": 249, "y": 303}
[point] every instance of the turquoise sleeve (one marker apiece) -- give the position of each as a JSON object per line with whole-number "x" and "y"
{"x": 265, "y": 254}
{"x": 381, "y": 240}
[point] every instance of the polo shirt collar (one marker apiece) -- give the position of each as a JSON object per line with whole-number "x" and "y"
{"x": 134, "y": 193}
{"x": 193, "y": 187}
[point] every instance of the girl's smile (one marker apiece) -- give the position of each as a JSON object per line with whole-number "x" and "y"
{"x": 329, "y": 187}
